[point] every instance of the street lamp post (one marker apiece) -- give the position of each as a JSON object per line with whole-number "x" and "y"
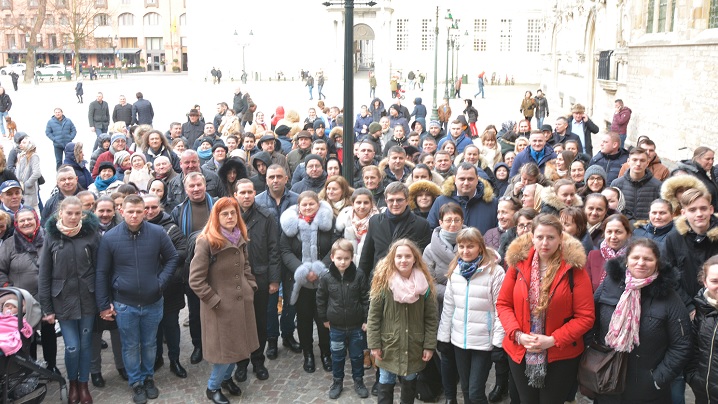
{"x": 434, "y": 108}
{"x": 243, "y": 76}
{"x": 453, "y": 79}
{"x": 449, "y": 20}
{"x": 113, "y": 43}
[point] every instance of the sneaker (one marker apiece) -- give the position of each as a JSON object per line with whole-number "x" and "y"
{"x": 336, "y": 390}
{"x": 151, "y": 389}
{"x": 360, "y": 388}
{"x": 139, "y": 395}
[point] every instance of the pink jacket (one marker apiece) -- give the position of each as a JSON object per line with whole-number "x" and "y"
{"x": 10, "y": 340}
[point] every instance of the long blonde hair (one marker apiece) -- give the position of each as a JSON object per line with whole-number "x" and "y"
{"x": 386, "y": 268}
{"x": 554, "y": 262}
{"x": 473, "y": 235}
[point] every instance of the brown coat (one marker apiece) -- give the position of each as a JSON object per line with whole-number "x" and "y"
{"x": 229, "y": 330}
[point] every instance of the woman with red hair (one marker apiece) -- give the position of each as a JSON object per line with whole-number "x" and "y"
{"x": 221, "y": 277}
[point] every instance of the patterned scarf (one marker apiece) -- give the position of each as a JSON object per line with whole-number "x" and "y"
{"x": 68, "y": 231}
{"x": 361, "y": 226}
{"x": 609, "y": 253}
{"x": 408, "y": 290}
{"x": 536, "y": 362}
{"x": 625, "y": 322}
{"x": 468, "y": 269}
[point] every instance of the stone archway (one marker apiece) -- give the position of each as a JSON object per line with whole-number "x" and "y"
{"x": 363, "y": 47}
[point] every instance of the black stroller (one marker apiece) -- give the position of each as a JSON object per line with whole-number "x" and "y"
{"x": 21, "y": 379}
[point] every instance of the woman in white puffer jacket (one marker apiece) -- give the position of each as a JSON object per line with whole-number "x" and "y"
{"x": 469, "y": 322}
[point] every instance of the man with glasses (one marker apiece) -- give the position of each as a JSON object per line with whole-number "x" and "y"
{"x": 474, "y": 195}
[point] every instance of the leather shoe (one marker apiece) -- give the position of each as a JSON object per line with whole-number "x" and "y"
{"x": 196, "y": 356}
{"x": 123, "y": 374}
{"x": 327, "y": 362}
{"x": 159, "y": 362}
{"x": 272, "y": 350}
{"x": 177, "y": 369}
{"x": 261, "y": 371}
{"x": 217, "y": 397}
{"x": 309, "y": 365}
{"x": 292, "y": 344}
{"x": 498, "y": 393}
{"x": 232, "y": 388}
{"x": 240, "y": 374}
{"x": 97, "y": 380}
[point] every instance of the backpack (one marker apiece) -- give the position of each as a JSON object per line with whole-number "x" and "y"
{"x": 428, "y": 381}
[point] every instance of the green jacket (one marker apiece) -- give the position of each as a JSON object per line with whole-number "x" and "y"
{"x": 402, "y": 331}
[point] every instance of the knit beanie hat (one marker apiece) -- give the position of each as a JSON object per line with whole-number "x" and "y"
{"x": 117, "y": 136}
{"x": 120, "y": 156}
{"x": 374, "y": 127}
{"x": 318, "y": 123}
{"x": 140, "y": 155}
{"x": 595, "y": 170}
{"x": 434, "y": 123}
{"x": 313, "y": 157}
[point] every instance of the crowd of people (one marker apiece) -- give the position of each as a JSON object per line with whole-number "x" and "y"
{"x": 512, "y": 247}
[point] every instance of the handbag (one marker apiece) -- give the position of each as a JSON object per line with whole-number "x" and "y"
{"x": 602, "y": 370}
{"x": 41, "y": 180}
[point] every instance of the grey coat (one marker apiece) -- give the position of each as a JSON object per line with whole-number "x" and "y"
{"x": 438, "y": 256}
{"x": 19, "y": 262}
{"x": 28, "y": 172}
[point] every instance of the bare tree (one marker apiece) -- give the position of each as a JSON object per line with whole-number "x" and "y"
{"x": 34, "y": 10}
{"x": 81, "y": 22}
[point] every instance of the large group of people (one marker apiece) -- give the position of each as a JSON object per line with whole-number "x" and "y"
{"x": 512, "y": 247}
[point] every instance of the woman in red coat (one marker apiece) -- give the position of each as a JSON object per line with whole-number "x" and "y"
{"x": 545, "y": 306}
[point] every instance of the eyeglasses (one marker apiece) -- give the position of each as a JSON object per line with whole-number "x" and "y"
{"x": 456, "y": 220}
{"x": 595, "y": 179}
{"x": 525, "y": 226}
{"x": 395, "y": 201}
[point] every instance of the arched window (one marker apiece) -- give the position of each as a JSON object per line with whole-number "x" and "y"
{"x": 183, "y": 19}
{"x": 151, "y": 19}
{"x": 126, "y": 19}
{"x": 102, "y": 20}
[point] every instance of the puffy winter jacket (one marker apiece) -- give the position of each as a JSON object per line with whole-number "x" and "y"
{"x": 461, "y": 142}
{"x": 638, "y": 194}
{"x": 469, "y": 319}
{"x": 479, "y": 210}
{"x": 664, "y": 333}
{"x": 343, "y": 300}
{"x": 702, "y": 369}
{"x": 524, "y": 157}
{"x": 710, "y": 182}
{"x": 657, "y": 234}
{"x": 134, "y": 268}
{"x": 438, "y": 256}
{"x": 611, "y": 163}
{"x": 61, "y": 132}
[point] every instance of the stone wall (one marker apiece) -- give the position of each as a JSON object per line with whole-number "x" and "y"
{"x": 672, "y": 91}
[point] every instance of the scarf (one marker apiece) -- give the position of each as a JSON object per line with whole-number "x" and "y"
{"x": 448, "y": 237}
{"x": 537, "y": 155}
{"x": 625, "y": 322}
{"x": 186, "y": 214}
{"x": 233, "y": 236}
{"x": 399, "y": 141}
{"x": 536, "y": 362}
{"x": 205, "y": 154}
{"x": 713, "y": 302}
{"x": 468, "y": 269}
{"x": 361, "y": 226}
{"x": 309, "y": 218}
{"x": 561, "y": 173}
{"x": 102, "y": 185}
{"x": 408, "y": 290}
{"x": 394, "y": 220}
{"x": 68, "y": 231}
{"x": 609, "y": 253}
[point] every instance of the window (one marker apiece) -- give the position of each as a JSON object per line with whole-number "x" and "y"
{"x": 7, "y": 21}
{"x": 102, "y": 20}
{"x": 128, "y": 43}
{"x": 533, "y": 36}
{"x": 480, "y": 35}
{"x": 32, "y": 3}
{"x": 604, "y": 65}
{"x": 61, "y": 3}
{"x": 151, "y": 19}
{"x": 49, "y": 20}
{"x": 505, "y": 35}
{"x": 20, "y": 20}
{"x": 427, "y": 34}
{"x": 183, "y": 19}
{"x": 402, "y": 34}
{"x": 6, "y": 4}
{"x": 64, "y": 21}
{"x": 103, "y": 43}
{"x": 10, "y": 41}
{"x": 52, "y": 40}
{"x": 662, "y": 9}
{"x": 101, "y": 3}
{"x": 151, "y": 3}
{"x": 154, "y": 43}
{"x": 126, "y": 19}
{"x": 649, "y": 16}
{"x": 713, "y": 19}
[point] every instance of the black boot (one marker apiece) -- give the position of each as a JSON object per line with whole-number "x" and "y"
{"x": 499, "y": 391}
{"x": 272, "y": 348}
{"x": 309, "y": 365}
{"x": 408, "y": 391}
{"x": 327, "y": 362}
{"x": 385, "y": 394}
{"x": 292, "y": 344}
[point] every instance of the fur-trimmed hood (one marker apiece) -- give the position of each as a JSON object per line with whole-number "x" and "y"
{"x": 422, "y": 186}
{"x": 384, "y": 163}
{"x": 235, "y": 163}
{"x": 664, "y": 283}
{"x": 90, "y": 223}
{"x": 449, "y": 188}
{"x": 682, "y": 227}
{"x": 549, "y": 197}
{"x": 520, "y": 249}
{"x": 670, "y": 185}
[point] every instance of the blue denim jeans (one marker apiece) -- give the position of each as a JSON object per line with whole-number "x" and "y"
{"x": 220, "y": 373}
{"x": 2, "y": 121}
{"x": 77, "y": 335}
{"x": 473, "y": 367}
{"x": 138, "y": 332}
{"x": 386, "y": 377}
{"x": 539, "y": 123}
{"x": 311, "y": 96}
{"x": 340, "y": 341}
{"x": 623, "y": 137}
{"x": 59, "y": 152}
{"x": 275, "y": 323}
{"x": 678, "y": 390}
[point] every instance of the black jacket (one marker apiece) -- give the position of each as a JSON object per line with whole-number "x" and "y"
{"x": 66, "y": 282}
{"x": 98, "y": 113}
{"x": 176, "y": 193}
{"x": 174, "y": 292}
{"x": 263, "y": 243}
{"x": 611, "y": 163}
{"x": 134, "y": 268}
{"x": 237, "y": 164}
{"x": 710, "y": 182}
{"x": 343, "y": 300}
{"x": 122, "y": 113}
{"x": 239, "y": 104}
{"x": 383, "y": 231}
{"x": 5, "y": 102}
{"x": 192, "y": 131}
{"x": 664, "y": 334}
{"x": 638, "y": 194}
{"x": 701, "y": 372}
{"x": 686, "y": 251}
{"x": 142, "y": 112}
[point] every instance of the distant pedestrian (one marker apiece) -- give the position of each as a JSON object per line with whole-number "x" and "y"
{"x": 61, "y": 131}
{"x": 14, "y": 76}
{"x": 213, "y": 72}
{"x": 372, "y": 85}
{"x": 5, "y": 105}
{"x": 219, "y": 76}
{"x": 457, "y": 87}
{"x": 310, "y": 83}
{"x": 142, "y": 112}
{"x": 621, "y": 116}
{"x": 481, "y": 85}
{"x": 79, "y": 92}
{"x": 320, "y": 85}
{"x": 422, "y": 78}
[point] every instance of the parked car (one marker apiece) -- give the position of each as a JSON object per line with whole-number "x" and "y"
{"x": 18, "y": 68}
{"x": 53, "y": 69}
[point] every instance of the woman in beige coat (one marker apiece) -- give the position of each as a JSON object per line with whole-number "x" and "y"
{"x": 221, "y": 277}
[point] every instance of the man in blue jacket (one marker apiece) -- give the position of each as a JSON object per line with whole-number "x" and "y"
{"x": 475, "y": 196}
{"x": 538, "y": 153}
{"x": 135, "y": 262}
{"x": 61, "y": 131}
{"x": 458, "y": 136}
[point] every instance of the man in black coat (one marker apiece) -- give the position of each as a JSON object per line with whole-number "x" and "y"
{"x": 122, "y": 112}
{"x": 583, "y": 127}
{"x": 239, "y": 103}
{"x": 262, "y": 248}
{"x": 639, "y": 186}
{"x": 142, "y": 112}
{"x": 173, "y": 294}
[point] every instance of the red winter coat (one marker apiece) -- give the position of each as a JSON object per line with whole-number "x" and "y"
{"x": 568, "y": 316}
